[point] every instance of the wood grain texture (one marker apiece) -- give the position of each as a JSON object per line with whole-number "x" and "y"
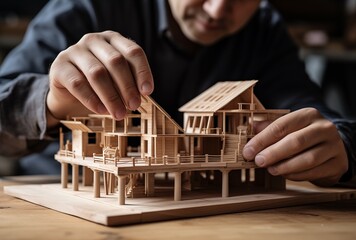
{"x": 328, "y": 221}
{"x": 106, "y": 210}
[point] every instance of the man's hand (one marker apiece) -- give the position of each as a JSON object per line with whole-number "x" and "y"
{"x": 300, "y": 146}
{"x": 103, "y": 73}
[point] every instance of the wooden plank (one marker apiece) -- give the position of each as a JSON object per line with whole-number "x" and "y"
{"x": 107, "y": 211}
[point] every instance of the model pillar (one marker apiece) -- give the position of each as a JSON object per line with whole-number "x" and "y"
{"x": 96, "y": 183}
{"x": 149, "y": 184}
{"x": 75, "y": 177}
{"x": 87, "y": 177}
{"x": 177, "y": 186}
{"x": 225, "y": 183}
{"x": 64, "y": 174}
{"x": 122, "y": 184}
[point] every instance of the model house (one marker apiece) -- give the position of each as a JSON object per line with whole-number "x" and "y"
{"x": 134, "y": 156}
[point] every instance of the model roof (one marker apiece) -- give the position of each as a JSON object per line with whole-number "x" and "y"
{"x": 219, "y": 95}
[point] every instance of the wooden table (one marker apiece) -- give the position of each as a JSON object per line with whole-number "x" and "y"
{"x": 334, "y": 220}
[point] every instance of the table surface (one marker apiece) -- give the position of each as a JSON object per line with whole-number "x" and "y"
{"x": 335, "y": 220}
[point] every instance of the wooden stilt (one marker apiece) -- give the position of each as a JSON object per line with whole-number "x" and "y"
{"x": 225, "y": 183}
{"x": 96, "y": 183}
{"x": 64, "y": 174}
{"x": 105, "y": 177}
{"x": 122, "y": 183}
{"x": 177, "y": 186}
{"x": 75, "y": 177}
{"x": 111, "y": 183}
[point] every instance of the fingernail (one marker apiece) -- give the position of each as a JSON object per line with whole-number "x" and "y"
{"x": 273, "y": 170}
{"x": 146, "y": 88}
{"x": 134, "y": 103}
{"x": 260, "y": 160}
{"x": 119, "y": 115}
{"x": 248, "y": 153}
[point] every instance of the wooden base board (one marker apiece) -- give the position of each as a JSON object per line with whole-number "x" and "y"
{"x": 106, "y": 210}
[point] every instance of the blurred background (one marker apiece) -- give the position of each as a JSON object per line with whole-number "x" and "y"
{"x": 326, "y": 32}
{"x": 324, "y": 29}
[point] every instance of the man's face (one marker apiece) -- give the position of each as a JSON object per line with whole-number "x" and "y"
{"x": 207, "y": 21}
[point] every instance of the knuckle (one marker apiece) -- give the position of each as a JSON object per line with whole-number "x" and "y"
{"x": 111, "y": 33}
{"x": 329, "y": 126}
{"x": 144, "y": 73}
{"x": 63, "y": 56}
{"x": 108, "y": 32}
{"x": 312, "y": 112}
{"x": 297, "y": 142}
{"x": 91, "y": 99}
{"x": 90, "y": 38}
{"x": 135, "y": 51}
{"x": 311, "y": 160}
{"x": 114, "y": 98}
{"x": 76, "y": 81}
{"x": 117, "y": 59}
{"x": 278, "y": 130}
{"x": 96, "y": 72}
{"x": 130, "y": 89}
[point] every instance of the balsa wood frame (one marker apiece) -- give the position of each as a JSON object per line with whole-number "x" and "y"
{"x": 217, "y": 125}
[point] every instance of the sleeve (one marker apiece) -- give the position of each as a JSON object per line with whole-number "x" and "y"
{"x": 24, "y": 81}
{"x": 283, "y": 76}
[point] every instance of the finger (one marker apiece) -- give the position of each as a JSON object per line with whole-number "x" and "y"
{"x": 100, "y": 81}
{"x": 119, "y": 71}
{"x": 278, "y": 130}
{"x": 137, "y": 60}
{"x": 302, "y": 162}
{"x": 65, "y": 77}
{"x": 325, "y": 173}
{"x": 258, "y": 126}
{"x": 290, "y": 145}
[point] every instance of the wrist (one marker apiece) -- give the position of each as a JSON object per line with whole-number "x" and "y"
{"x": 52, "y": 121}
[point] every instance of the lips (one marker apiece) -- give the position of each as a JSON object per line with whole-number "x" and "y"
{"x": 208, "y": 25}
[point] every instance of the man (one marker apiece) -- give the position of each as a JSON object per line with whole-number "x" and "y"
{"x": 103, "y": 54}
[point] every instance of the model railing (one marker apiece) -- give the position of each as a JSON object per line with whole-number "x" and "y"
{"x": 66, "y": 153}
{"x": 211, "y": 130}
{"x": 108, "y": 155}
{"x": 166, "y": 160}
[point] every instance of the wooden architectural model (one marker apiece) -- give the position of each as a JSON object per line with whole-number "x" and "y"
{"x": 134, "y": 156}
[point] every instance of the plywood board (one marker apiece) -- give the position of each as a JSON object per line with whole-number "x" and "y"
{"x": 105, "y": 210}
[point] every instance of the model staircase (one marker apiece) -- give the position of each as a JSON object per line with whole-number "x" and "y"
{"x": 234, "y": 144}
{"x": 133, "y": 189}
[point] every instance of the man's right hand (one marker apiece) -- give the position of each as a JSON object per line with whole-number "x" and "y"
{"x": 104, "y": 73}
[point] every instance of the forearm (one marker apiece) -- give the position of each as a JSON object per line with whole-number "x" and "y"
{"x": 23, "y": 112}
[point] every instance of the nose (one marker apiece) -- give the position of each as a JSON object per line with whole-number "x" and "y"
{"x": 216, "y": 8}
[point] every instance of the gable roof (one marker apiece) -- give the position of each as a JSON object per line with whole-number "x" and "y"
{"x": 217, "y": 96}
{"x": 149, "y": 99}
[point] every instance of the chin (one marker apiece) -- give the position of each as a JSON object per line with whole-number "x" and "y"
{"x": 207, "y": 42}
{"x": 204, "y": 40}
